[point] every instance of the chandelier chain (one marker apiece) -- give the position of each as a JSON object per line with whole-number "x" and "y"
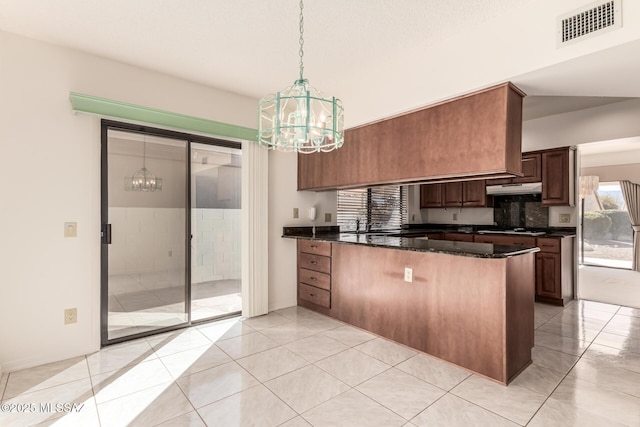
{"x": 301, "y": 40}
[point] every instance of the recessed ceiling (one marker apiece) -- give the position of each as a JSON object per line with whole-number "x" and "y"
{"x": 380, "y": 57}
{"x": 541, "y": 106}
{"x": 616, "y": 152}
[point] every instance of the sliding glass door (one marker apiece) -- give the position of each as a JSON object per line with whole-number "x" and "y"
{"x": 215, "y": 231}
{"x": 170, "y": 230}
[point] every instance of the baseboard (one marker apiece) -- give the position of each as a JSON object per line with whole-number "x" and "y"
{"x": 43, "y": 359}
{"x": 277, "y": 305}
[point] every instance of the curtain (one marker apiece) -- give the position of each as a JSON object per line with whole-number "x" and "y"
{"x": 255, "y": 238}
{"x": 631, "y": 194}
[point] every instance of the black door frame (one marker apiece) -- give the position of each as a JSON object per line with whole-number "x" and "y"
{"x": 105, "y": 240}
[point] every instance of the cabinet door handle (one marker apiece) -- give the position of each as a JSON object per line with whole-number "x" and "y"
{"x": 313, "y": 278}
{"x": 312, "y": 295}
{"x": 314, "y": 262}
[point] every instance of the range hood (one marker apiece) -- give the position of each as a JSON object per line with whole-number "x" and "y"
{"x": 531, "y": 188}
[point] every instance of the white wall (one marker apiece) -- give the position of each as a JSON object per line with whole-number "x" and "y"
{"x": 50, "y": 173}
{"x": 283, "y": 172}
{"x": 629, "y": 172}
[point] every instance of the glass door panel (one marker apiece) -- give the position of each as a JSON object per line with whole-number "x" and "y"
{"x": 215, "y": 229}
{"x": 146, "y": 279}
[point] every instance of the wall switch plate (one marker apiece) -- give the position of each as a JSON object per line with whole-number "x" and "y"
{"x": 564, "y": 218}
{"x": 455, "y": 216}
{"x": 70, "y": 316}
{"x": 408, "y": 274}
{"x": 327, "y": 217}
{"x": 296, "y": 213}
{"x": 70, "y": 229}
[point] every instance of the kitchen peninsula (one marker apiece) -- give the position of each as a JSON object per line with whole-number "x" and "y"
{"x": 467, "y": 303}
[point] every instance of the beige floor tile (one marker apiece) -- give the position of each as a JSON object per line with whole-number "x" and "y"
{"x": 246, "y": 345}
{"x": 348, "y": 335}
{"x": 587, "y": 396}
{"x": 306, "y": 388}
{"x": 628, "y": 311}
{"x": 608, "y": 376}
{"x": 118, "y": 356}
{"x": 614, "y": 356}
{"x": 182, "y": 340}
{"x": 352, "y": 409}
{"x": 584, "y": 306}
{"x": 145, "y": 408}
{"x": 558, "y": 414}
{"x": 573, "y": 318}
{"x": 216, "y": 383}
{"x": 404, "y": 394}
{"x": 429, "y": 369}
{"x": 627, "y": 326}
{"x": 77, "y": 392}
{"x": 319, "y": 324}
{"x": 195, "y": 360}
{"x": 515, "y": 403}
{"x": 3, "y": 384}
{"x": 133, "y": 378}
{"x": 287, "y": 332}
{"x": 256, "y": 406}
{"x": 576, "y": 331}
{"x": 352, "y": 366}
{"x": 192, "y": 419}
{"x": 46, "y": 376}
{"x": 560, "y": 343}
{"x": 296, "y": 422}
{"x": 618, "y": 341}
{"x": 539, "y": 379}
{"x": 225, "y": 329}
{"x": 266, "y": 321}
{"x": 316, "y": 347}
{"x": 451, "y": 411}
{"x": 272, "y": 363}
{"x": 386, "y": 351}
{"x": 553, "y": 359}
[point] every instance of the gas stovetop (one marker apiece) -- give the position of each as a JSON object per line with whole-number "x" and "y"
{"x": 516, "y": 231}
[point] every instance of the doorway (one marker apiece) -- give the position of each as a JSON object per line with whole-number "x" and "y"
{"x": 170, "y": 234}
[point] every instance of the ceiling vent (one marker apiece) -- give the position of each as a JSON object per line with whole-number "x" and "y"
{"x": 591, "y": 20}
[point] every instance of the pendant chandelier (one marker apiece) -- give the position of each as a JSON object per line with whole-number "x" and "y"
{"x": 143, "y": 179}
{"x": 301, "y": 118}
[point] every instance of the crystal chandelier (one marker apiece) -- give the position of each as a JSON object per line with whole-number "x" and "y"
{"x": 301, "y": 118}
{"x": 143, "y": 179}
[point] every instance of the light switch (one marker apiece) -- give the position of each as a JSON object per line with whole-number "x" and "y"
{"x": 70, "y": 229}
{"x": 296, "y": 213}
{"x": 327, "y": 217}
{"x": 408, "y": 274}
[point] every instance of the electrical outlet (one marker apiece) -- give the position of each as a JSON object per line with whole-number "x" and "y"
{"x": 70, "y": 229}
{"x": 564, "y": 218}
{"x": 296, "y": 213}
{"x": 408, "y": 274}
{"x": 455, "y": 216}
{"x": 413, "y": 217}
{"x": 327, "y": 217}
{"x": 70, "y": 315}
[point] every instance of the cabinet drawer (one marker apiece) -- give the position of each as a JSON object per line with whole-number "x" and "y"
{"x": 549, "y": 244}
{"x": 315, "y": 278}
{"x": 458, "y": 237}
{"x": 315, "y": 262}
{"x": 315, "y": 247}
{"x": 315, "y": 295}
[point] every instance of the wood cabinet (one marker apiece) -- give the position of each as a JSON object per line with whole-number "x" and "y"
{"x": 454, "y": 194}
{"x": 431, "y": 196}
{"x": 557, "y": 180}
{"x": 458, "y": 237}
{"x": 554, "y": 270}
{"x": 531, "y": 171}
{"x": 510, "y": 240}
{"x": 476, "y": 135}
{"x": 314, "y": 274}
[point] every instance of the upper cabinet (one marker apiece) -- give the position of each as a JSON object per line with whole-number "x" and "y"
{"x": 477, "y": 135}
{"x": 557, "y": 177}
{"x": 531, "y": 171}
{"x": 465, "y": 194}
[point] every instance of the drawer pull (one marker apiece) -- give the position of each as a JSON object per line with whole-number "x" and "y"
{"x": 313, "y": 278}
{"x": 312, "y": 295}
{"x": 314, "y": 262}
{"x": 314, "y": 246}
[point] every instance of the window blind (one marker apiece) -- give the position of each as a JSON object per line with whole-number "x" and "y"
{"x": 376, "y": 208}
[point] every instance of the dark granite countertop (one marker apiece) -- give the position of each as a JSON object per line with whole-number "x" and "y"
{"x": 478, "y": 250}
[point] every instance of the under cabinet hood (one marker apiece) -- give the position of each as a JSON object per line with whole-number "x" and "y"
{"x": 531, "y": 188}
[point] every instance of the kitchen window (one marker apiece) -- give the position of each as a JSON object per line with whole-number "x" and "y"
{"x": 377, "y": 208}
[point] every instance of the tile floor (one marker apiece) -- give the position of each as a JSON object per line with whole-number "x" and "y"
{"x": 294, "y": 367}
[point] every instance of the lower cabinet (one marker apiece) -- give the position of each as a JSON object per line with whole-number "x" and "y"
{"x": 314, "y": 274}
{"x": 554, "y": 270}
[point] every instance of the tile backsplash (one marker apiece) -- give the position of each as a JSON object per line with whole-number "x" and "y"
{"x": 520, "y": 211}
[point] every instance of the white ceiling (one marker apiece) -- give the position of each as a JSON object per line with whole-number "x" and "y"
{"x": 375, "y": 55}
{"x": 623, "y": 151}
